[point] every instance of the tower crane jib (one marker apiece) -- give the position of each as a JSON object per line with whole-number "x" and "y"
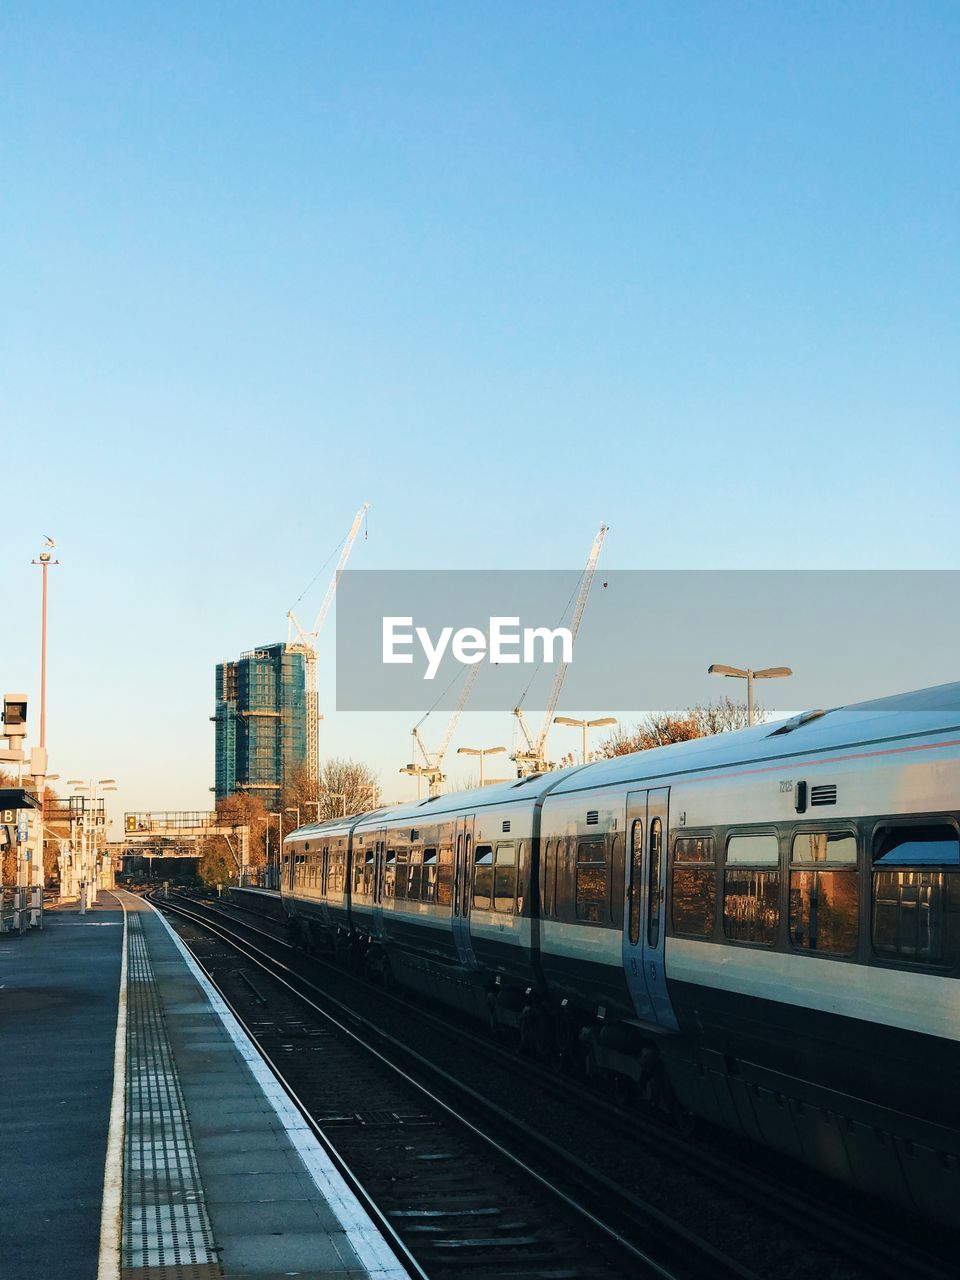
{"x": 533, "y": 760}
{"x": 299, "y": 641}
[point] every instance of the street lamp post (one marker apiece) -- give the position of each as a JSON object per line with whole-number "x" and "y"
{"x": 89, "y": 876}
{"x": 278, "y": 813}
{"x": 44, "y": 561}
{"x": 482, "y": 752}
{"x": 585, "y": 725}
{"x": 418, "y": 771}
{"x": 748, "y": 674}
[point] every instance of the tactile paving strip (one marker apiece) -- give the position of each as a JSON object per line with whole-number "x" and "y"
{"x": 166, "y": 1229}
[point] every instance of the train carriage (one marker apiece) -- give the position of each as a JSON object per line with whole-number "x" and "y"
{"x": 762, "y": 928}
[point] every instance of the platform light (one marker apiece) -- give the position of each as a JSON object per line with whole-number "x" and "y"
{"x": 482, "y": 752}
{"x": 585, "y": 725}
{"x": 748, "y": 674}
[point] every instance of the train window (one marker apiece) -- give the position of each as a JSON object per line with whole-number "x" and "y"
{"x": 522, "y": 873}
{"x": 445, "y": 878}
{"x": 824, "y": 902}
{"x": 400, "y": 890}
{"x": 694, "y": 849}
{"x": 824, "y": 846}
{"x": 916, "y": 892}
{"x": 931, "y": 844}
{"x": 655, "y": 895}
{"x": 467, "y": 866}
{"x": 365, "y": 870}
{"x": 389, "y": 874}
{"x": 916, "y": 915}
{"x": 824, "y": 911}
{"x": 617, "y": 873}
{"x": 694, "y": 895}
{"x": 564, "y": 879}
{"x": 694, "y": 901}
{"x": 751, "y": 888}
{"x": 456, "y": 881}
{"x": 546, "y": 897}
{"x": 505, "y": 877}
{"x": 760, "y": 850}
{"x": 428, "y": 880}
{"x": 483, "y": 876}
{"x": 591, "y": 885}
{"x": 636, "y": 865}
{"x": 751, "y": 905}
{"x": 415, "y": 875}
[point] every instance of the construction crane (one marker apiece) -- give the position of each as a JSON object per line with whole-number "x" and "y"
{"x": 533, "y": 758}
{"x": 431, "y": 766}
{"x": 306, "y": 643}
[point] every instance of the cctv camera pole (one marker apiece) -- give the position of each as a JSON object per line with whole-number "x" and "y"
{"x": 44, "y": 562}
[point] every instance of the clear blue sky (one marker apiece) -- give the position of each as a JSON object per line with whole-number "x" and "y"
{"x": 502, "y": 270}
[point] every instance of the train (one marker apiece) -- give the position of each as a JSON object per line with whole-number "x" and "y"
{"x": 759, "y": 928}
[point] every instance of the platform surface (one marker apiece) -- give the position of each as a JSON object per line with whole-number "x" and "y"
{"x": 58, "y": 1018}
{"x": 221, "y": 1175}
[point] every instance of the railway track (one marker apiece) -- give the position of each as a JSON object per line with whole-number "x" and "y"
{"x": 605, "y": 1211}
{"x": 464, "y": 1197}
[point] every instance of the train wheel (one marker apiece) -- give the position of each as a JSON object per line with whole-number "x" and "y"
{"x": 621, "y": 1089}
{"x": 684, "y": 1121}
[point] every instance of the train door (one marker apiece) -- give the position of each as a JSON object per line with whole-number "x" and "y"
{"x": 462, "y": 889}
{"x": 379, "y": 874}
{"x": 644, "y": 923}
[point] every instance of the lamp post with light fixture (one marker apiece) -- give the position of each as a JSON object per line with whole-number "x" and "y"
{"x": 748, "y": 674}
{"x": 92, "y": 790}
{"x": 585, "y": 725}
{"x": 482, "y": 752}
{"x": 429, "y": 771}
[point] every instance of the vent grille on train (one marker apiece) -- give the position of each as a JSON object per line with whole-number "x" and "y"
{"x": 506, "y": 824}
{"x": 826, "y": 794}
{"x": 593, "y": 817}
{"x": 414, "y": 834}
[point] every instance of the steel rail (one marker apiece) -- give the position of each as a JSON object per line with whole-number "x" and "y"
{"x": 382, "y": 1223}
{"x": 890, "y": 1255}
{"x": 638, "y": 1213}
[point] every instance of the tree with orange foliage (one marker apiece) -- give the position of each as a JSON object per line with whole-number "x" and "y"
{"x": 661, "y": 728}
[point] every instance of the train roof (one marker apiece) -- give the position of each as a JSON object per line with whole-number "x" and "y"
{"x": 514, "y": 791}
{"x": 333, "y": 826}
{"x": 903, "y": 715}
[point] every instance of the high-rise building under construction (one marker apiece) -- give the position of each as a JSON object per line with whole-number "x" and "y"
{"x": 260, "y": 722}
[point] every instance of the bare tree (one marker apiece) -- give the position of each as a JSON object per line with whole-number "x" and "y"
{"x": 724, "y": 715}
{"x": 345, "y": 786}
{"x": 660, "y": 728}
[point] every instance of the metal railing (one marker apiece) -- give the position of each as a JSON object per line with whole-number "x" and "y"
{"x": 21, "y": 907}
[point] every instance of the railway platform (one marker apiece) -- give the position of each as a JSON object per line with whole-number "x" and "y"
{"x": 145, "y": 1136}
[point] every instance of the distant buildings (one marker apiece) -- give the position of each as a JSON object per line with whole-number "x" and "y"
{"x": 260, "y": 722}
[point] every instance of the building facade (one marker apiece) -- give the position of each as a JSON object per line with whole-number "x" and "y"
{"x": 260, "y": 722}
